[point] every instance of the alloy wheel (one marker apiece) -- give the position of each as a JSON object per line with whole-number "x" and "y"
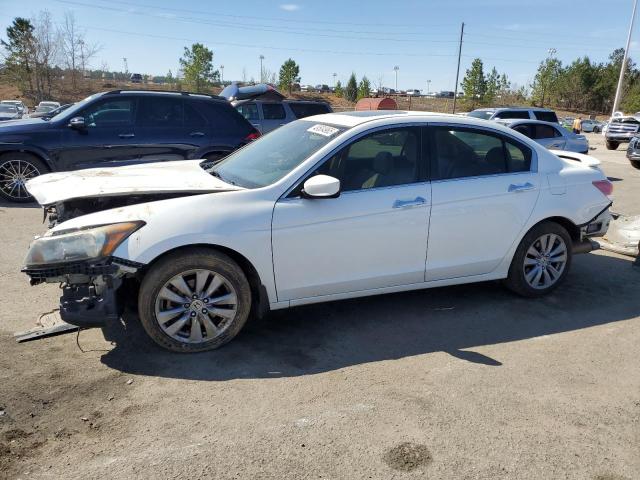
{"x": 196, "y": 306}
{"x": 545, "y": 261}
{"x": 13, "y": 178}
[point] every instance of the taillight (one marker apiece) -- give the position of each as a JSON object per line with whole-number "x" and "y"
{"x": 605, "y": 186}
{"x": 252, "y": 136}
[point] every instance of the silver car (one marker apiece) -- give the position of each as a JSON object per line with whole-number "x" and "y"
{"x": 550, "y": 134}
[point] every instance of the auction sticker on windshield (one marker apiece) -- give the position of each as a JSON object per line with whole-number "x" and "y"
{"x": 324, "y": 130}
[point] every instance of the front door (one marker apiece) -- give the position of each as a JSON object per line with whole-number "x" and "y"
{"x": 108, "y": 139}
{"x": 484, "y": 191}
{"x": 373, "y": 235}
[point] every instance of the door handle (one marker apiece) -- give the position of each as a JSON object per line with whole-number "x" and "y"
{"x": 127, "y": 135}
{"x": 416, "y": 202}
{"x": 523, "y": 187}
{"x": 197, "y": 134}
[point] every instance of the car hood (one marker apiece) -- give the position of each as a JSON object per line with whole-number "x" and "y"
{"x": 185, "y": 176}
{"x": 22, "y": 125}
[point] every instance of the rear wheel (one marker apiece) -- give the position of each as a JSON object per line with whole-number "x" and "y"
{"x": 541, "y": 261}
{"x": 194, "y": 301}
{"x": 612, "y": 145}
{"x": 16, "y": 168}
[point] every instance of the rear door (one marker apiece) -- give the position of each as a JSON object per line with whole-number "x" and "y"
{"x": 109, "y": 138}
{"x": 549, "y": 136}
{"x": 250, "y": 112}
{"x": 168, "y": 128}
{"x": 273, "y": 116}
{"x": 484, "y": 188}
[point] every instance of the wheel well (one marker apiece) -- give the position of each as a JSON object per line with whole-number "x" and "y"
{"x": 259, "y": 297}
{"x": 28, "y": 152}
{"x": 572, "y": 228}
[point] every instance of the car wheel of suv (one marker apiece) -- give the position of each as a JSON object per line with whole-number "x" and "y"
{"x": 15, "y": 169}
{"x": 635, "y": 164}
{"x": 541, "y": 261}
{"x": 612, "y": 145}
{"x": 194, "y": 301}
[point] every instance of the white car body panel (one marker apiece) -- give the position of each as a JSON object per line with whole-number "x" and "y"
{"x": 314, "y": 250}
{"x": 178, "y": 176}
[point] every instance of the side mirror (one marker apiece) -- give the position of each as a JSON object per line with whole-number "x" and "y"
{"x": 77, "y": 123}
{"x": 321, "y": 186}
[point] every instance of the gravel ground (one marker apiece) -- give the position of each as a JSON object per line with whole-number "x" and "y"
{"x": 461, "y": 382}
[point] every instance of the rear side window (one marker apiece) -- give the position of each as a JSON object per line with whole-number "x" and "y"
{"x": 525, "y": 129}
{"x": 273, "y": 111}
{"x": 223, "y": 118}
{"x": 513, "y": 114}
{"x": 160, "y": 112}
{"x": 545, "y": 131}
{"x": 463, "y": 152}
{"x": 302, "y": 110}
{"x": 546, "y": 116}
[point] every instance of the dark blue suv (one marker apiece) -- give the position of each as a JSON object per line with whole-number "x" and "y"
{"x": 119, "y": 128}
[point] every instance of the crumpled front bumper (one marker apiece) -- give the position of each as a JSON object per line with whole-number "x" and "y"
{"x": 88, "y": 288}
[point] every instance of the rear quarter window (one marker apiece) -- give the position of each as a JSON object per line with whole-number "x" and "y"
{"x": 513, "y": 114}
{"x": 302, "y": 110}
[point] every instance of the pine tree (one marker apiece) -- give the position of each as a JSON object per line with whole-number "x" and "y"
{"x": 474, "y": 83}
{"x": 289, "y": 74}
{"x": 338, "y": 90}
{"x": 351, "y": 91}
{"x": 364, "y": 88}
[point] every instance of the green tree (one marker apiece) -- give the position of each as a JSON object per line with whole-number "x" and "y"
{"x": 492, "y": 86}
{"x": 364, "y": 88}
{"x": 20, "y": 50}
{"x": 197, "y": 67}
{"x": 351, "y": 90}
{"x": 289, "y": 74}
{"x": 474, "y": 83}
{"x": 546, "y": 81}
{"x": 338, "y": 90}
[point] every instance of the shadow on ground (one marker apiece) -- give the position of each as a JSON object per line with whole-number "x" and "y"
{"x": 319, "y": 338}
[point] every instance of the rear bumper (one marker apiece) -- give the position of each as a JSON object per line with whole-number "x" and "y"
{"x": 598, "y": 226}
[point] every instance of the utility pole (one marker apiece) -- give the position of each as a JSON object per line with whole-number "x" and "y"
{"x": 126, "y": 68}
{"x": 261, "y": 71}
{"x": 455, "y": 94}
{"x": 395, "y": 69}
{"x": 334, "y": 80}
{"x": 222, "y": 74}
{"x": 616, "y": 101}
{"x": 428, "y": 87}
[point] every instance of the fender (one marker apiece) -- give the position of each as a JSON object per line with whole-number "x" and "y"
{"x": 21, "y": 147}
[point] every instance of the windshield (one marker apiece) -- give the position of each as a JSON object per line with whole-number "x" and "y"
{"x": 70, "y": 112}
{"x": 484, "y": 114}
{"x": 8, "y": 109}
{"x": 44, "y": 108}
{"x": 273, "y": 156}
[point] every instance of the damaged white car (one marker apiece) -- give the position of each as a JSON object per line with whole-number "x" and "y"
{"x": 330, "y": 207}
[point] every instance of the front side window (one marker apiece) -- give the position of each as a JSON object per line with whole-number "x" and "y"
{"x": 462, "y": 152}
{"x": 273, "y": 111}
{"x": 546, "y": 131}
{"x": 249, "y": 111}
{"x": 273, "y": 156}
{"x": 381, "y": 159}
{"x": 110, "y": 113}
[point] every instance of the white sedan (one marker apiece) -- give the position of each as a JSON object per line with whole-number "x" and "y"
{"x": 329, "y": 207}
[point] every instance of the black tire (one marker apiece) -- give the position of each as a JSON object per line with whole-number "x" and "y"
{"x": 596, "y": 130}
{"x": 635, "y": 164}
{"x": 516, "y": 280}
{"x": 32, "y": 166}
{"x": 175, "y": 264}
{"x": 612, "y": 145}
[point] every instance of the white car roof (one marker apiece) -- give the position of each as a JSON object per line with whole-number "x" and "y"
{"x": 355, "y": 118}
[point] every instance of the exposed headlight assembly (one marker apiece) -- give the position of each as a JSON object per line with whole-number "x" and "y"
{"x": 81, "y": 244}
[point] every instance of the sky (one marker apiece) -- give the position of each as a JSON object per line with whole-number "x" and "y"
{"x": 343, "y": 36}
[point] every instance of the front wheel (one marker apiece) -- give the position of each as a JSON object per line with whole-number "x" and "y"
{"x": 635, "y": 164}
{"x": 16, "y": 168}
{"x": 612, "y": 145}
{"x": 194, "y": 301}
{"x": 541, "y": 261}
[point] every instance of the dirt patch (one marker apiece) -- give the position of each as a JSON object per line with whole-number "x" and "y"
{"x": 14, "y": 434}
{"x": 407, "y": 456}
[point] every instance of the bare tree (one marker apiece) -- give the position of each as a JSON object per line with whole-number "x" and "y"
{"x": 77, "y": 52}
{"x": 47, "y": 46}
